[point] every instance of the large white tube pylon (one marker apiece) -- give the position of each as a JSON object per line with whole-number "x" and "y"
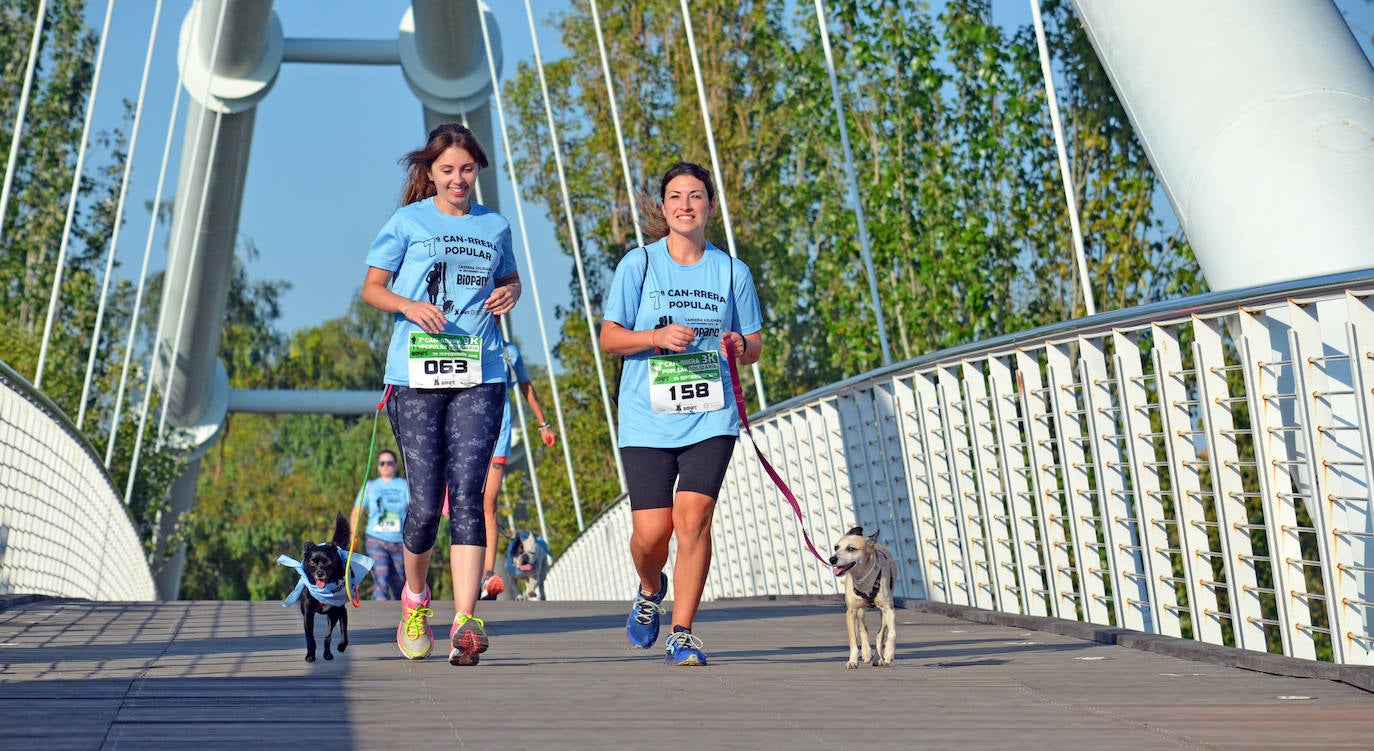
{"x": 1258, "y": 116}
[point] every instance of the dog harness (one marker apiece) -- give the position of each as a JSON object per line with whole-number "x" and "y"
{"x": 873, "y": 569}
{"x": 332, "y": 593}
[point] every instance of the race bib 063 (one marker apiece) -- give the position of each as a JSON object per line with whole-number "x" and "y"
{"x": 444, "y": 361}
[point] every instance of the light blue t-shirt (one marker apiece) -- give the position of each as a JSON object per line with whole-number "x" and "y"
{"x": 452, "y": 262}
{"x": 696, "y": 296}
{"x": 386, "y": 503}
{"x": 517, "y": 374}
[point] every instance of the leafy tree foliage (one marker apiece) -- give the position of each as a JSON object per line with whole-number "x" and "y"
{"x": 32, "y": 238}
{"x": 954, "y": 157}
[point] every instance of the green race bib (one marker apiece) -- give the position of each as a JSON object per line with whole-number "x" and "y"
{"x": 444, "y": 361}
{"x": 685, "y": 383}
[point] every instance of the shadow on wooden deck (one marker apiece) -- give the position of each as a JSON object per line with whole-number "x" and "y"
{"x": 82, "y": 675}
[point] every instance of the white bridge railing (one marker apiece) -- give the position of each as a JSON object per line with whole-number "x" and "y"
{"x": 1198, "y": 469}
{"x": 63, "y": 528}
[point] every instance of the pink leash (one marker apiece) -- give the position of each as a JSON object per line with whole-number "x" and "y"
{"x": 786, "y": 492}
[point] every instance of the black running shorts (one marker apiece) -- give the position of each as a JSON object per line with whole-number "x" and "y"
{"x": 651, "y": 473}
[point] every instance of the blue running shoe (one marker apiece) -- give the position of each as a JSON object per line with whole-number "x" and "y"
{"x": 642, "y": 625}
{"x": 684, "y": 648}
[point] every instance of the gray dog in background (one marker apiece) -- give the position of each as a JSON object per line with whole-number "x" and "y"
{"x": 868, "y": 572}
{"x": 528, "y": 560}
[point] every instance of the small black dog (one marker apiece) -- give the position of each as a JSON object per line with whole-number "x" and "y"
{"x": 324, "y": 566}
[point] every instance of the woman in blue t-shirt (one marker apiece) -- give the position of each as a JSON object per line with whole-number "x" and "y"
{"x": 443, "y": 265}
{"x": 386, "y": 500}
{"x": 672, "y": 306}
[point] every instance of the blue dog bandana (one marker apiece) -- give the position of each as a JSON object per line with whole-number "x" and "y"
{"x": 332, "y": 593}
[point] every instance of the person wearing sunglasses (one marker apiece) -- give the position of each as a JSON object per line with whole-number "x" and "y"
{"x": 386, "y": 500}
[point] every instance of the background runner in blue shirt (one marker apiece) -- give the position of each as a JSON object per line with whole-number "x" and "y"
{"x": 519, "y": 379}
{"x": 386, "y": 500}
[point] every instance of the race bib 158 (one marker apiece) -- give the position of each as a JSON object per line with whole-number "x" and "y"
{"x": 685, "y": 383}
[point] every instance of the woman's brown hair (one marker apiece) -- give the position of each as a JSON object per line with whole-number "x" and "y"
{"x": 418, "y": 186}
{"x": 651, "y": 220}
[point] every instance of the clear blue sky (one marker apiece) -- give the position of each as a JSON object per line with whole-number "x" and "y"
{"x": 323, "y": 175}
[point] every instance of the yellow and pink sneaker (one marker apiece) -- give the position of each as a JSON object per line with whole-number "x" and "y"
{"x": 413, "y": 636}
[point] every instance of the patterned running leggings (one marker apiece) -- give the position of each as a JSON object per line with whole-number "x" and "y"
{"x": 446, "y": 438}
{"x": 388, "y": 568}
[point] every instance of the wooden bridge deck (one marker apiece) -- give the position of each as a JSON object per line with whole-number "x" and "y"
{"x": 204, "y": 675}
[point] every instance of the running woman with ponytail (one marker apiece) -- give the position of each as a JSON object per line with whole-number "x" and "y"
{"x": 444, "y": 267}
{"x": 674, "y": 309}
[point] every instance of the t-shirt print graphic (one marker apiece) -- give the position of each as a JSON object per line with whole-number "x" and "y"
{"x": 436, "y": 285}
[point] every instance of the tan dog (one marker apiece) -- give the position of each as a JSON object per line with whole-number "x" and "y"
{"x": 868, "y": 572}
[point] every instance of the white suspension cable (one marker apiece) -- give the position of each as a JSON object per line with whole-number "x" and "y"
{"x": 715, "y": 166}
{"x": 162, "y": 309}
{"x": 1064, "y": 173}
{"x": 119, "y": 216}
{"x": 39, "y": 17}
{"x": 853, "y": 182}
{"x": 525, "y": 442}
{"x": 476, "y": 186}
{"x": 576, "y": 254}
{"x": 615, "y": 121}
{"x": 71, "y": 198}
{"x": 529, "y": 261}
{"x": 142, "y": 283}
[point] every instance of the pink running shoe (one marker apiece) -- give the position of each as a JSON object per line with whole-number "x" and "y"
{"x": 469, "y": 639}
{"x": 413, "y": 636}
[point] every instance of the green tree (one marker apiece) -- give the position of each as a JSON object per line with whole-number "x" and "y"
{"x": 32, "y": 238}
{"x": 955, "y": 162}
{"x": 953, "y": 152}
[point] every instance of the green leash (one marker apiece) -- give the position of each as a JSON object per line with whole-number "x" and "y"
{"x": 353, "y": 590}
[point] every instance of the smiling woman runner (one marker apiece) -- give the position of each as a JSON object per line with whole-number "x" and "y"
{"x": 673, "y": 308}
{"x": 444, "y": 266}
